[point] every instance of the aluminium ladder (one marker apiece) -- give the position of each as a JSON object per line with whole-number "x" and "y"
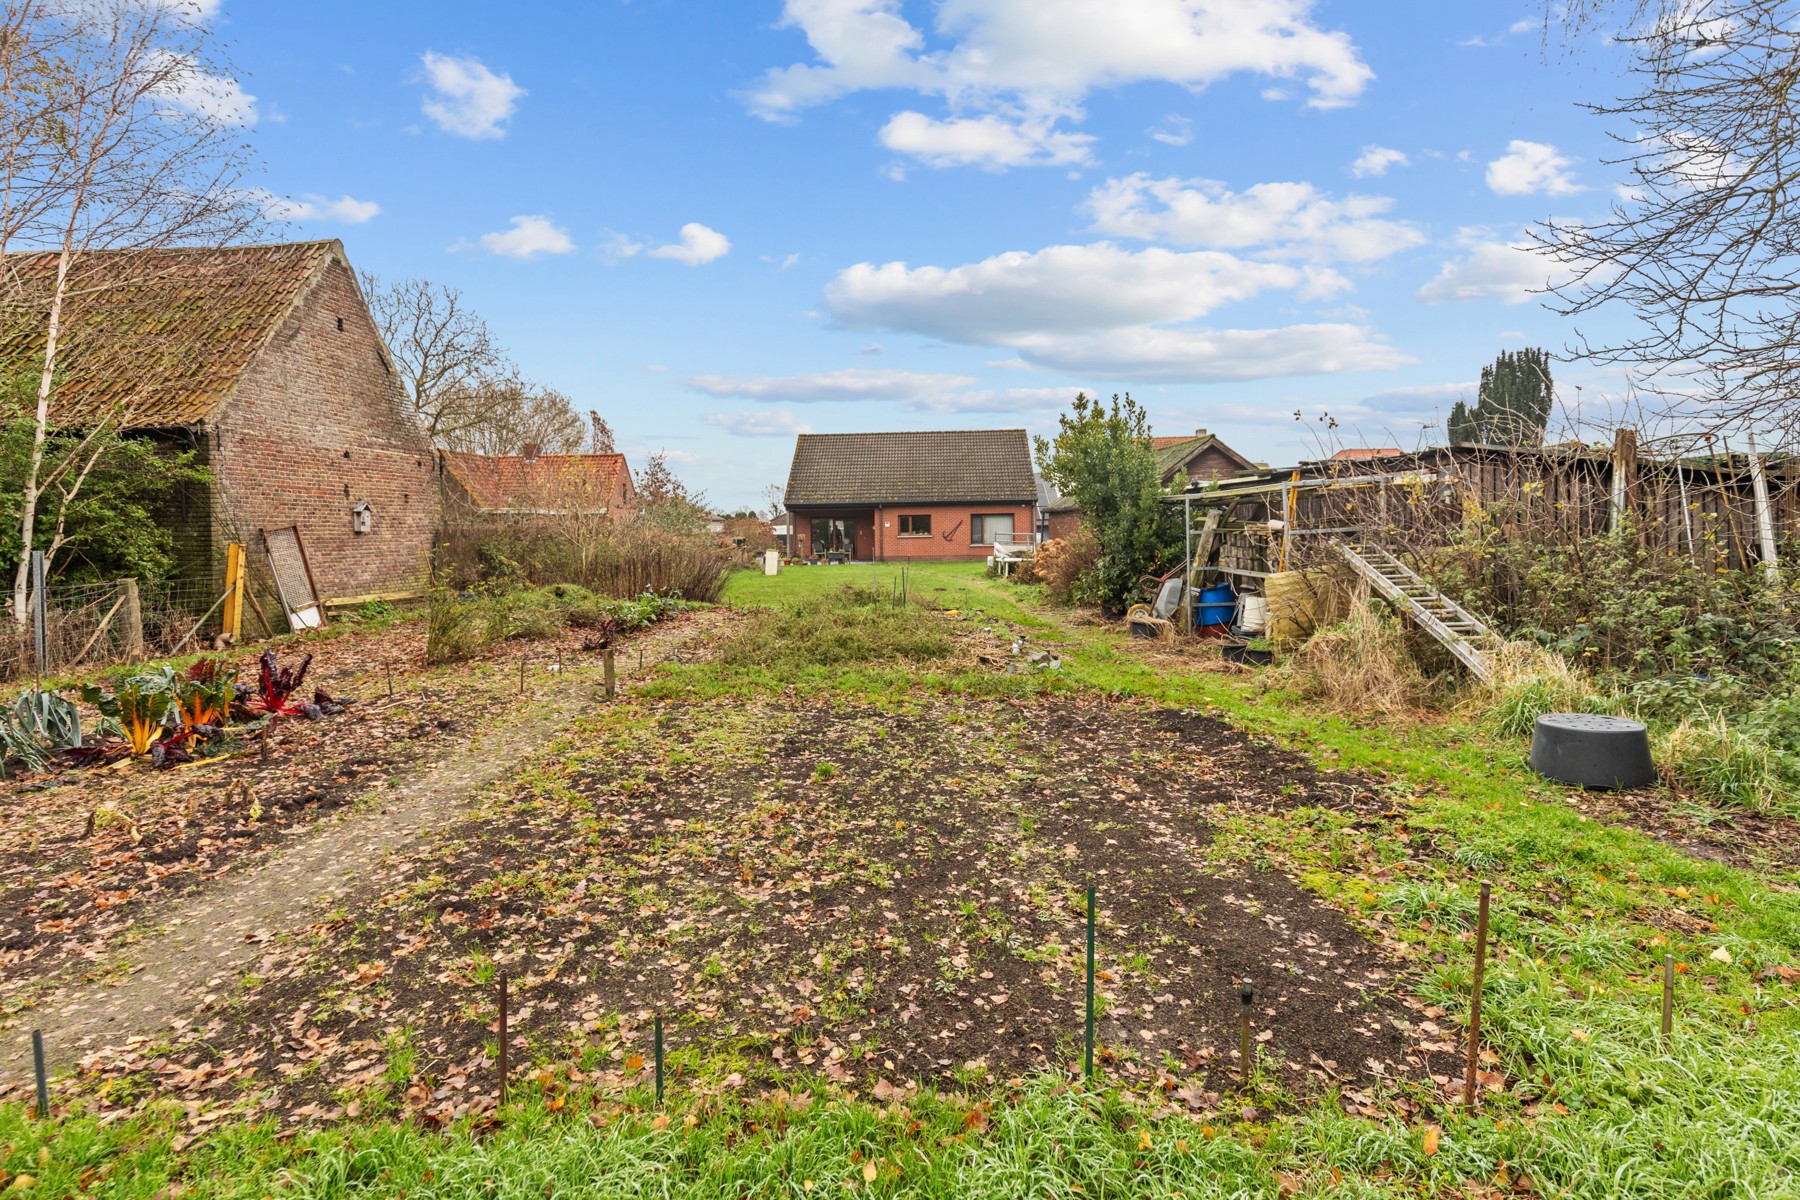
{"x": 1444, "y": 619}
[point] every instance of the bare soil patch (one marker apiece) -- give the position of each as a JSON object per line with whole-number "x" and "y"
{"x": 886, "y": 895}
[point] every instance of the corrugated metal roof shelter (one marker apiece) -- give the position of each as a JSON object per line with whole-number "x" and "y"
{"x": 931, "y": 467}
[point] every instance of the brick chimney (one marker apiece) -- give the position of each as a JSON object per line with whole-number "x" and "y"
{"x": 532, "y": 450}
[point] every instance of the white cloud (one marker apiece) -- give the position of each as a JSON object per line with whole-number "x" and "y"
{"x": 1283, "y": 219}
{"x": 1493, "y": 270}
{"x": 1213, "y": 355}
{"x": 698, "y": 245}
{"x": 1062, "y": 289}
{"x": 917, "y": 391}
{"x": 1174, "y": 131}
{"x": 1532, "y": 168}
{"x": 529, "y": 237}
{"x": 1375, "y": 160}
{"x": 818, "y": 387}
{"x": 990, "y": 142}
{"x": 1003, "y": 400}
{"x": 773, "y": 422}
{"x": 1523, "y": 25}
{"x": 219, "y": 99}
{"x": 1031, "y": 63}
{"x": 345, "y": 210}
{"x": 1103, "y": 312}
{"x": 468, "y": 99}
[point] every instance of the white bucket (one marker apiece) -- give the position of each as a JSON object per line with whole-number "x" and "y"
{"x": 1253, "y": 613}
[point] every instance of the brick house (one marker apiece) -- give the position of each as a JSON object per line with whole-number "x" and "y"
{"x": 1199, "y": 455}
{"x": 896, "y": 496}
{"x": 533, "y": 484}
{"x": 264, "y": 360}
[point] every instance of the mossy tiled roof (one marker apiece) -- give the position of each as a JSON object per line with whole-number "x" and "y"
{"x": 163, "y": 336}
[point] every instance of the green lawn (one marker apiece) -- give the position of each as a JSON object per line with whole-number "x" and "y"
{"x": 1583, "y": 1097}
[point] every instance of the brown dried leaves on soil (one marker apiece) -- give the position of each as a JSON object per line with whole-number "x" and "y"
{"x": 870, "y": 894}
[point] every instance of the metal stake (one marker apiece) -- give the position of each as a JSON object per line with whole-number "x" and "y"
{"x": 43, "y": 1079}
{"x": 1668, "y": 1011}
{"x": 659, "y": 1065}
{"x": 1247, "y": 995}
{"x": 267, "y": 739}
{"x": 388, "y": 670}
{"x": 521, "y": 677}
{"x": 1088, "y": 1061}
{"x": 611, "y": 678}
{"x": 1481, "y": 937}
{"x": 502, "y": 1041}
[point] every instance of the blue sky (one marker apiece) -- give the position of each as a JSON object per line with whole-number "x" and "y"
{"x": 723, "y": 224}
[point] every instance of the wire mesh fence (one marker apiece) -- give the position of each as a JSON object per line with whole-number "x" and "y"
{"x": 117, "y": 621}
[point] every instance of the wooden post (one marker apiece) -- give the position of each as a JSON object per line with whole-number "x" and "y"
{"x": 1765, "y": 516}
{"x": 1624, "y": 474}
{"x": 1481, "y": 937}
{"x": 232, "y": 621}
{"x": 131, "y": 622}
{"x": 611, "y": 677}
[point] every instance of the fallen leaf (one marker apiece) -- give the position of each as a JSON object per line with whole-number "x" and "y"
{"x": 1431, "y": 1140}
{"x": 870, "y": 1170}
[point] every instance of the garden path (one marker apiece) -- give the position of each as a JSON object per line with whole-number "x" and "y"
{"x": 205, "y": 941}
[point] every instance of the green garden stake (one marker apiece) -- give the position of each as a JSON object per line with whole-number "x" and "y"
{"x": 1668, "y": 1007}
{"x": 659, "y": 1069}
{"x": 43, "y": 1079}
{"x": 1088, "y": 1062}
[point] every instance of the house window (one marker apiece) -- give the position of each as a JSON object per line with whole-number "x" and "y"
{"x": 831, "y": 535}
{"x": 915, "y": 525}
{"x": 987, "y": 528}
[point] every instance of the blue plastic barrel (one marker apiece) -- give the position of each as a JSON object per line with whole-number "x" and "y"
{"x": 1217, "y": 605}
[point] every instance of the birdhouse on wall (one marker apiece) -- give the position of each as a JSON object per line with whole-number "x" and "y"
{"x": 362, "y": 517}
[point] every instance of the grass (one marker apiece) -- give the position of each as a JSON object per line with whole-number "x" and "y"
{"x": 1594, "y": 1103}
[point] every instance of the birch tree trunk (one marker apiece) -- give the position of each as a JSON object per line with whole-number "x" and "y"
{"x": 40, "y": 434}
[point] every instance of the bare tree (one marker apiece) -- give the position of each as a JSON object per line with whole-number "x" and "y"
{"x": 600, "y": 434}
{"x": 118, "y": 139}
{"x": 516, "y": 414}
{"x": 1703, "y": 247}
{"x": 456, "y": 375}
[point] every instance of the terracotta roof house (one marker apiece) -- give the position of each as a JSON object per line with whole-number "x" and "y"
{"x": 1198, "y": 455}
{"x": 919, "y": 495}
{"x": 534, "y": 484}
{"x": 265, "y": 360}
{"x": 1362, "y": 453}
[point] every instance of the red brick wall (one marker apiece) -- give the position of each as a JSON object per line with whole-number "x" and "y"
{"x": 946, "y": 519}
{"x": 1064, "y": 524}
{"x": 317, "y": 424}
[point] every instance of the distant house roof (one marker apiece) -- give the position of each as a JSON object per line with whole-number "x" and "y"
{"x": 936, "y": 467}
{"x": 1358, "y": 453}
{"x": 537, "y": 483}
{"x": 167, "y": 334}
{"x": 1174, "y": 453}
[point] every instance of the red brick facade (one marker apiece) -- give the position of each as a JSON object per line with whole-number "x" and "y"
{"x": 318, "y": 424}
{"x": 876, "y": 531}
{"x": 1063, "y": 523}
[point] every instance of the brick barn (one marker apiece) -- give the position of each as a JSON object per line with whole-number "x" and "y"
{"x": 264, "y": 360}
{"x": 1199, "y": 455}
{"x": 895, "y": 496}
